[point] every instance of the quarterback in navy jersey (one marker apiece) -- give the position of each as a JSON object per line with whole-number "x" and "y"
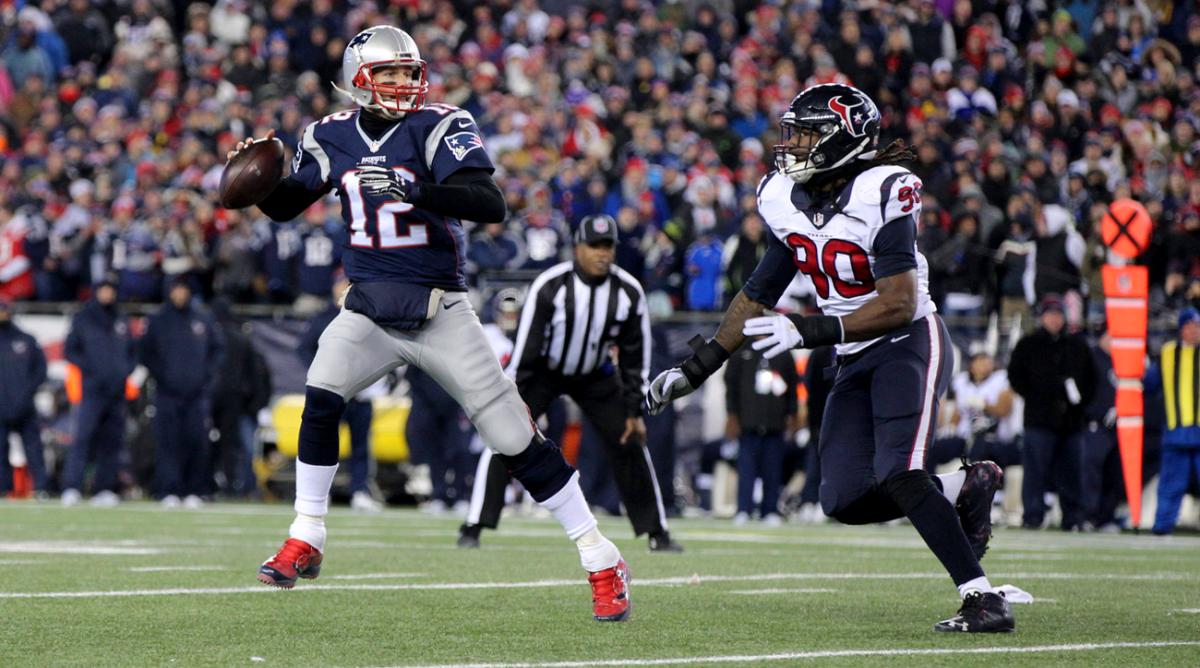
{"x": 407, "y": 172}
{"x": 843, "y": 212}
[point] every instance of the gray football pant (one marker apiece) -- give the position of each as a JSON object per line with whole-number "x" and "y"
{"x": 354, "y": 352}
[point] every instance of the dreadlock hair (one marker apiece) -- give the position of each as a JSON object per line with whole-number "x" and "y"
{"x": 831, "y": 183}
{"x": 893, "y": 154}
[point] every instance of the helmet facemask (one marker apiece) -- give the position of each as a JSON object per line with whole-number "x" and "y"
{"x": 397, "y": 87}
{"x": 799, "y": 154}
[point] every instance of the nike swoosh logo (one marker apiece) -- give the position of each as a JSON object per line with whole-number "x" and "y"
{"x": 464, "y": 124}
{"x": 900, "y": 338}
{"x": 446, "y": 306}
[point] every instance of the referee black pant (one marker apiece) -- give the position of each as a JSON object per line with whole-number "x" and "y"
{"x": 599, "y": 397}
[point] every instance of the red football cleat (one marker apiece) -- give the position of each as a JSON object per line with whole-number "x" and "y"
{"x": 610, "y": 593}
{"x": 295, "y": 559}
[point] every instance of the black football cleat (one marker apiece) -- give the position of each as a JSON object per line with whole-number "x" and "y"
{"x": 974, "y": 504}
{"x": 980, "y": 613}
{"x": 661, "y": 542}
{"x": 468, "y": 536}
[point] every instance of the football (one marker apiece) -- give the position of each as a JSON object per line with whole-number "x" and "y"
{"x": 252, "y": 174}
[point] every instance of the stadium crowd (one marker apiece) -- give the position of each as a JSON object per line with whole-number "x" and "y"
{"x": 1027, "y": 120}
{"x": 114, "y": 116}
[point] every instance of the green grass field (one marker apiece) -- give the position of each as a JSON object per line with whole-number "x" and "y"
{"x": 138, "y": 586}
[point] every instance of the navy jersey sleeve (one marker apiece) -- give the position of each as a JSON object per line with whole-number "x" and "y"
{"x": 895, "y": 248}
{"x": 455, "y": 143}
{"x": 773, "y": 274}
{"x": 310, "y": 166}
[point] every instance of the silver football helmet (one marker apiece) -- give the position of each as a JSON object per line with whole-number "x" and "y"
{"x": 380, "y": 47}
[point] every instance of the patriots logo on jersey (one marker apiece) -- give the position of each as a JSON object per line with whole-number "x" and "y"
{"x": 855, "y": 113}
{"x": 462, "y": 143}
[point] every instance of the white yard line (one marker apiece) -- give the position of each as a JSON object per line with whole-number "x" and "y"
{"x": 172, "y": 569}
{"x": 375, "y": 576}
{"x": 1189, "y": 611}
{"x": 759, "y": 592}
{"x": 54, "y": 547}
{"x": 695, "y": 579}
{"x": 825, "y": 654}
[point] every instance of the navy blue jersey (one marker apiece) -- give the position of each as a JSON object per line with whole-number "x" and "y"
{"x": 278, "y": 245}
{"x": 320, "y": 255}
{"x": 391, "y": 240}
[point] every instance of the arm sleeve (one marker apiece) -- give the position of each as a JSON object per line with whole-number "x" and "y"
{"x": 895, "y": 248}
{"x": 634, "y": 343}
{"x": 468, "y": 194}
{"x": 772, "y": 276}
{"x": 289, "y": 199}
{"x": 308, "y": 182}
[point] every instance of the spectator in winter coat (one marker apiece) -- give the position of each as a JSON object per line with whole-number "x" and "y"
{"x": 182, "y": 350}
{"x": 1052, "y": 370}
{"x": 22, "y": 371}
{"x": 101, "y": 345}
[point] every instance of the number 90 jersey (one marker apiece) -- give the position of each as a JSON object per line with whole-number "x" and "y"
{"x": 867, "y": 233}
{"x": 391, "y": 240}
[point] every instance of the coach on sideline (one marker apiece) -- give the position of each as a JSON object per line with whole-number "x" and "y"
{"x": 574, "y": 314}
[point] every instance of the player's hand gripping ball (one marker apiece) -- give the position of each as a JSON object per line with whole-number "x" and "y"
{"x": 254, "y": 169}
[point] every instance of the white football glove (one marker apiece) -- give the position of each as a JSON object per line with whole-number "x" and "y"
{"x": 384, "y": 182}
{"x": 780, "y": 332}
{"x": 665, "y": 388}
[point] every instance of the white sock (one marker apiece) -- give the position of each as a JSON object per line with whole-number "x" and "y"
{"x": 979, "y": 584}
{"x": 310, "y": 529}
{"x": 596, "y": 552}
{"x": 952, "y": 484}
{"x": 570, "y": 509}
{"x": 312, "y": 488}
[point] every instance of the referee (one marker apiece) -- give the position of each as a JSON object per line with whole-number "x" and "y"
{"x": 574, "y": 314}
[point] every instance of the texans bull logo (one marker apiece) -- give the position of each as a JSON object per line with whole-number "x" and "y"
{"x": 855, "y": 113}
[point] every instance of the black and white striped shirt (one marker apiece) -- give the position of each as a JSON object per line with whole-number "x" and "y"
{"x": 569, "y": 324}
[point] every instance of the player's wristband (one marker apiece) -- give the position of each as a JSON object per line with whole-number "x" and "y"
{"x": 707, "y": 357}
{"x": 818, "y": 330}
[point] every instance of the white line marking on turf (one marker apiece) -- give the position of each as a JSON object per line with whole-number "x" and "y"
{"x": 754, "y": 592}
{"x": 825, "y": 654}
{"x": 375, "y": 576}
{"x": 1189, "y": 611}
{"x": 668, "y": 582}
{"x": 46, "y": 547}
{"x": 171, "y": 569}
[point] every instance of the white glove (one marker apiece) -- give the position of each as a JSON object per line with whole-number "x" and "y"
{"x": 384, "y": 182}
{"x": 665, "y": 388}
{"x": 780, "y": 332}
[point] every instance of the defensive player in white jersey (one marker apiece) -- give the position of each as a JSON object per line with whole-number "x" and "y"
{"x": 844, "y": 212}
{"x": 407, "y": 172}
